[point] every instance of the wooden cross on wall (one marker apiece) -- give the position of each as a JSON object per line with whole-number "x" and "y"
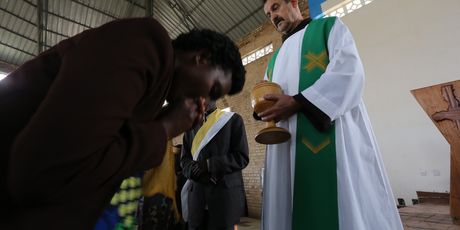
{"x": 453, "y": 112}
{"x": 442, "y": 105}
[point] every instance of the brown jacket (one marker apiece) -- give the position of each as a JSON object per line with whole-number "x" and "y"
{"x": 79, "y": 118}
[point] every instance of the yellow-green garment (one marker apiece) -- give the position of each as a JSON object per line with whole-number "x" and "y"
{"x": 123, "y": 210}
{"x": 162, "y": 179}
{"x": 121, "y": 213}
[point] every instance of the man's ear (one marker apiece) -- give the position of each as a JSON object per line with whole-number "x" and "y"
{"x": 203, "y": 57}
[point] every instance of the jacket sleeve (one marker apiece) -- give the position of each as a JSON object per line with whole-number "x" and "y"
{"x": 186, "y": 159}
{"x": 86, "y": 126}
{"x": 238, "y": 156}
{"x": 318, "y": 118}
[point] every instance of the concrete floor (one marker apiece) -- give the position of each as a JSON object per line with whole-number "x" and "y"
{"x": 417, "y": 217}
{"x": 247, "y": 223}
{"x": 427, "y": 216}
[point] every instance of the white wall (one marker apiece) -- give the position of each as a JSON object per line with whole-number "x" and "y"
{"x": 404, "y": 45}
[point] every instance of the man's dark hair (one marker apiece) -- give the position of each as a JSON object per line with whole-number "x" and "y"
{"x": 224, "y": 53}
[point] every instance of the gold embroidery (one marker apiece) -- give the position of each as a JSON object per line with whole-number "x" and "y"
{"x": 316, "y": 149}
{"x": 316, "y": 60}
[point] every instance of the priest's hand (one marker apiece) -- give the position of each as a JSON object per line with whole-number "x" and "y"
{"x": 284, "y": 107}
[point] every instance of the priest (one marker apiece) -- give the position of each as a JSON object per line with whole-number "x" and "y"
{"x": 329, "y": 175}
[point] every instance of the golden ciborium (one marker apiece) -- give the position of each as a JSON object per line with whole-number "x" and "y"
{"x": 270, "y": 134}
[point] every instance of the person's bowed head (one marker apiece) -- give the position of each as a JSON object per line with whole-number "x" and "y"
{"x": 207, "y": 66}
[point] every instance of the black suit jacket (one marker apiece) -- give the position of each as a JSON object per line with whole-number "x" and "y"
{"x": 227, "y": 154}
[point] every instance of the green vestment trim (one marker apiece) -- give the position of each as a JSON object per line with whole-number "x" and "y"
{"x": 315, "y": 183}
{"x": 315, "y": 202}
{"x": 271, "y": 65}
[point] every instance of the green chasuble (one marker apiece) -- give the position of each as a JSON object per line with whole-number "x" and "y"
{"x": 315, "y": 205}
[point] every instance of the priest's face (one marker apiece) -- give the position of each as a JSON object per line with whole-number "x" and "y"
{"x": 283, "y": 14}
{"x": 196, "y": 77}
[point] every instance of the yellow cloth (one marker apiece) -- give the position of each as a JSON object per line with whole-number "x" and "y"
{"x": 162, "y": 179}
{"x": 211, "y": 120}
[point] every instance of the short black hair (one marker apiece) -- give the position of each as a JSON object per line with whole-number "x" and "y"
{"x": 224, "y": 53}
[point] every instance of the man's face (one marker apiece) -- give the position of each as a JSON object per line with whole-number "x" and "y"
{"x": 281, "y": 14}
{"x": 195, "y": 77}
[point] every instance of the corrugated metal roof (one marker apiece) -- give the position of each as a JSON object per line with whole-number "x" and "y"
{"x": 65, "y": 18}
